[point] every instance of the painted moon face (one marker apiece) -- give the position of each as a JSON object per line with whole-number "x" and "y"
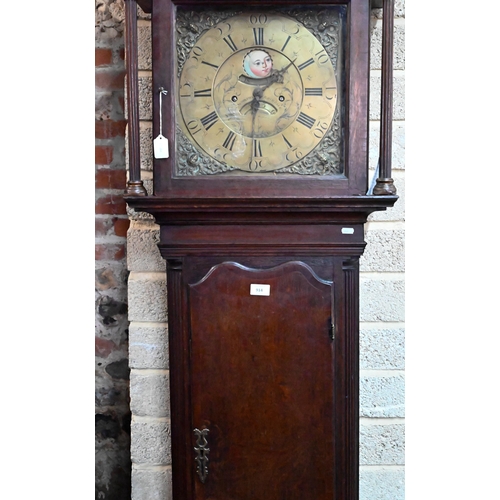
{"x": 258, "y": 64}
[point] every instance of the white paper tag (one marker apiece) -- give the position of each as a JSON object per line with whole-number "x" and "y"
{"x": 260, "y": 290}
{"x": 160, "y": 147}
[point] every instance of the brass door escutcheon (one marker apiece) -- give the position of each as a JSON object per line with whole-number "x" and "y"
{"x": 202, "y": 451}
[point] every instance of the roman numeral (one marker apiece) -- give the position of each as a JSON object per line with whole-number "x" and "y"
{"x": 305, "y": 120}
{"x": 209, "y": 120}
{"x": 287, "y": 141}
{"x": 210, "y": 64}
{"x": 230, "y": 43}
{"x": 229, "y": 142}
{"x": 306, "y": 64}
{"x": 257, "y": 151}
{"x": 313, "y": 91}
{"x": 258, "y": 36}
{"x": 204, "y": 93}
{"x": 285, "y": 44}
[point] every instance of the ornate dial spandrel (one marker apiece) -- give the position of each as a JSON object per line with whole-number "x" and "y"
{"x": 259, "y": 92}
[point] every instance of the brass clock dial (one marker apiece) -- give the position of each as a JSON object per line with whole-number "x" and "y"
{"x": 257, "y": 92}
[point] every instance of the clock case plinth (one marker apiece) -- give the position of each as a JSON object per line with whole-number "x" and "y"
{"x": 262, "y": 227}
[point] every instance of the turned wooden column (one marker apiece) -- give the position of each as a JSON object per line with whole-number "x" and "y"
{"x": 385, "y": 184}
{"x": 135, "y": 186}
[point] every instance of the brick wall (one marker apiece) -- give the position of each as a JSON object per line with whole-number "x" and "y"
{"x": 382, "y": 311}
{"x": 112, "y": 419}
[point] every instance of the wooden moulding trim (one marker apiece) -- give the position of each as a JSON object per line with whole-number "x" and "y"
{"x": 147, "y": 5}
{"x": 173, "y": 211}
{"x": 179, "y": 385}
{"x": 172, "y": 251}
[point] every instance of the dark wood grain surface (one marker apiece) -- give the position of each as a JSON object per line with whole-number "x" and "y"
{"x": 270, "y": 378}
{"x": 262, "y": 382}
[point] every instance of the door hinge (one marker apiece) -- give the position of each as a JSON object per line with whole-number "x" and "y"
{"x": 331, "y": 330}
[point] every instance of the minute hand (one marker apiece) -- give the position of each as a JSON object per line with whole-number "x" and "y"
{"x": 278, "y": 75}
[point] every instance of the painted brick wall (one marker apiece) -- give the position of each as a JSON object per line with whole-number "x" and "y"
{"x": 112, "y": 410}
{"x": 382, "y": 354}
{"x": 382, "y": 310}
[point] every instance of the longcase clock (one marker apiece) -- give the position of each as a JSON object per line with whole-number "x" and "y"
{"x": 261, "y": 192}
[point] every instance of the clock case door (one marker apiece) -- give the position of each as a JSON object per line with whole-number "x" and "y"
{"x": 354, "y": 89}
{"x": 262, "y": 403}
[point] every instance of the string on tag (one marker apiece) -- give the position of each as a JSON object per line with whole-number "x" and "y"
{"x": 160, "y": 144}
{"x": 162, "y": 92}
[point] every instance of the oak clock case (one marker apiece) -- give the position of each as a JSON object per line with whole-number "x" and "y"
{"x": 258, "y": 92}
{"x": 261, "y": 207}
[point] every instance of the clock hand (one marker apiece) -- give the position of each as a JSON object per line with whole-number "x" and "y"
{"x": 274, "y": 77}
{"x": 259, "y": 92}
{"x": 255, "y": 105}
{"x": 279, "y": 74}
